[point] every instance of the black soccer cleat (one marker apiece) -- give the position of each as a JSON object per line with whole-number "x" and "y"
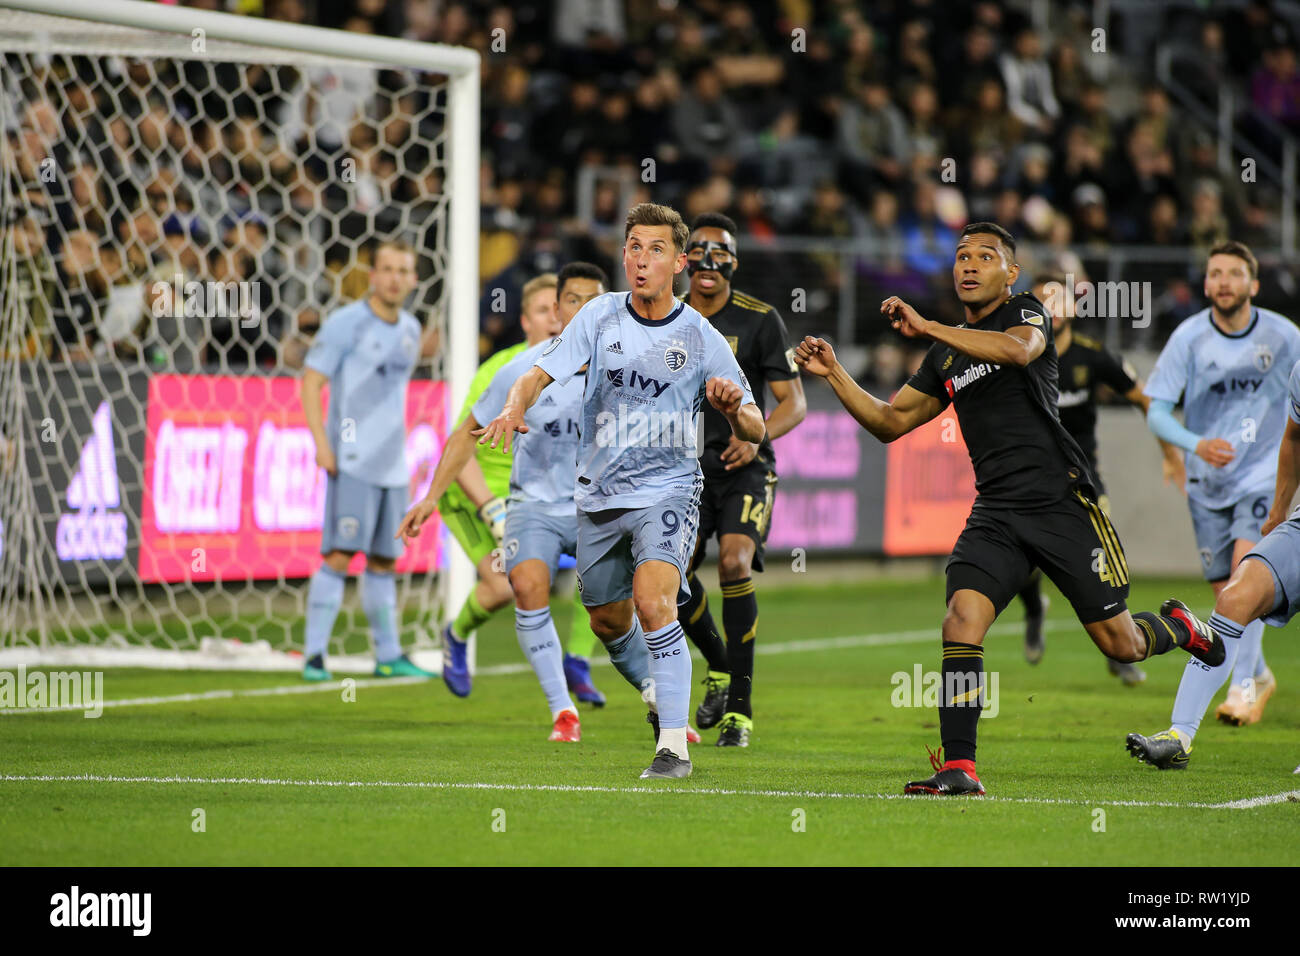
{"x": 949, "y": 782}
{"x": 735, "y": 731}
{"x": 714, "y": 704}
{"x": 1205, "y": 645}
{"x": 667, "y": 766}
{"x": 1164, "y": 751}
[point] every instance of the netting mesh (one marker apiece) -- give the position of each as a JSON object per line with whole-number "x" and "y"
{"x": 179, "y": 217}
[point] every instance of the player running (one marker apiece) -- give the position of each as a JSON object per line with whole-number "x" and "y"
{"x": 366, "y": 351}
{"x": 1229, "y": 364}
{"x": 541, "y": 520}
{"x": 652, "y": 362}
{"x": 474, "y": 507}
{"x": 739, "y": 477}
{"x": 1084, "y": 363}
{"x": 1035, "y": 498}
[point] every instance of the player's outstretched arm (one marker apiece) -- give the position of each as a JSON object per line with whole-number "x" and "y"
{"x": 1172, "y": 468}
{"x": 746, "y": 420}
{"x": 310, "y": 391}
{"x": 458, "y": 450}
{"x": 887, "y": 421}
{"x": 521, "y": 398}
{"x": 1160, "y": 419}
{"x": 1017, "y": 346}
{"x": 1288, "y": 476}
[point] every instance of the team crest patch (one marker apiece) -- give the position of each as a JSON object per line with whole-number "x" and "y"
{"x": 947, "y": 363}
{"x": 1080, "y": 375}
{"x": 734, "y": 342}
{"x": 1032, "y": 317}
{"x": 674, "y": 358}
{"x": 789, "y": 357}
{"x": 1263, "y": 357}
{"x": 348, "y": 527}
{"x": 511, "y": 548}
{"x": 1206, "y": 557}
{"x": 555, "y": 344}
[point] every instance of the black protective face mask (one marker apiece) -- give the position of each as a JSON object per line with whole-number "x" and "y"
{"x": 706, "y": 263}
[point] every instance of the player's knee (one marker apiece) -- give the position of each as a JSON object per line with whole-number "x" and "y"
{"x": 380, "y": 564}
{"x": 608, "y": 624}
{"x": 1242, "y": 600}
{"x": 532, "y": 590}
{"x": 655, "y": 610}
{"x": 735, "y": 564}
{"x": 962, "y": 624}
{"x": 338, "y": 561}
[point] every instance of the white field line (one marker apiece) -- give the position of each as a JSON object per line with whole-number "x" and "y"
{"x": 920, "y": 636}
{"x": 1247, "y": 804}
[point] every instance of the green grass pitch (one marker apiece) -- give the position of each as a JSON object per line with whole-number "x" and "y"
{"x": 407, "y": 774}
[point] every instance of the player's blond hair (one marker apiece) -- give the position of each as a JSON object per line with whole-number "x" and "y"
{"x": 547, "y": 280}
{"x": 394, "y": 245}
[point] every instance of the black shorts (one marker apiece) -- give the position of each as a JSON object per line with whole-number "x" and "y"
{"x": 1073, "y": 543}
{"x": 739, "y": 503}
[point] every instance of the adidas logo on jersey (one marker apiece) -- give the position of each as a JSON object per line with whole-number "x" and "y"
{"x": 546, "y": 400}
{"x": 616, "y": 348}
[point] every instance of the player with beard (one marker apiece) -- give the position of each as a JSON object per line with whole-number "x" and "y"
{"x": 739, "y": 477}
{"x": 1083, "y": 364}
{"x": 1035, "y": 498}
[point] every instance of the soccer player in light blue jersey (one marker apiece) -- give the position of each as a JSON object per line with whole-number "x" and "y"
{"x": 541, "y": 520}
{"x": 366, "y": 351}
{"x": 652, "y": 361}
{"x": 1229, "y": 363}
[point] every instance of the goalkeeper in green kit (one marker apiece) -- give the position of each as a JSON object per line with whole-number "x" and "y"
{"x": 475, "y": 507}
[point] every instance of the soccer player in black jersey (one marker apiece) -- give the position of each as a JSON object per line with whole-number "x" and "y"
{"x": 1083, "y": 364}
{"x": 1035, "y": 498}
{"x": 739, "y": 477}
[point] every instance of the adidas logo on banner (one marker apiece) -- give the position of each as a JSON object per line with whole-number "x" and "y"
{"x": 616, "y": 348}
{"x": 93, "y": 532}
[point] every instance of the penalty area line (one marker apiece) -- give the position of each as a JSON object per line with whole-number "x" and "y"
{"x": 1245, "y": 804}
{"x": 883, "y": 639}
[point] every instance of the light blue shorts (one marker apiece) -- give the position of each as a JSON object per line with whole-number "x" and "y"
{"x": 1217, "y": 528}
{"x": 612, "y": 544}
{"x": 360, "y": 516}
{"x": 534, "y": 532}
{"x": 1280, "y": 551}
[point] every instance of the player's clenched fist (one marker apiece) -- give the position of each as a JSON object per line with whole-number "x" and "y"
{"x": 815, "y": 356}
{"x": 415, "y": 519}
{"x": 904, "y": 318}
{"x": 501, "y": 429}
{"x": 723, "y": 395}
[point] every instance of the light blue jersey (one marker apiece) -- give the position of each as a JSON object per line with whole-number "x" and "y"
{"x": 644, "y": 389}
{"x": 1233, "y": 387}
{"x": 1293, "y": 395}
{"x": 368, "y": 362}
{"x": 545, "y": 467}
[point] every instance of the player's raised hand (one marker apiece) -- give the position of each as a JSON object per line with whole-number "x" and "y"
{"x": 815, "y": 356}
{"x": 724, "y": 395}
{"x": 1217, "y": 451}
{"x": 502, "y": 429}
{"x": 415, "y": 519}
{"x": 904, "y": 318}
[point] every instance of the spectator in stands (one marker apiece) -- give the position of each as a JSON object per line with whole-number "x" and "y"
{"x": 1028, "y": 80}
{"x": 82, "y": 283}
{"x": 960, "y": 84}
{"x": 872, "y": 141}
{"x": 706, "y": 124}
{"x": 1275, "y": 88}
{"x": 989, "y": 127}
{"x": 34, "y": 282}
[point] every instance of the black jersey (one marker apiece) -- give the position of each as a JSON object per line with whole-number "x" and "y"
{"x": 757, "y": 336}
{"x": 1023, "y": 457}
{"x": 1082, "y": 367}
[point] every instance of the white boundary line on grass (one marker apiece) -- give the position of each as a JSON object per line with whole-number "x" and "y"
{"x": 787, "y": 647}
{"x": 1247, "y": 804}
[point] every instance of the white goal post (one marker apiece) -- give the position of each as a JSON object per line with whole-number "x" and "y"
{"x": 112, "y": 175}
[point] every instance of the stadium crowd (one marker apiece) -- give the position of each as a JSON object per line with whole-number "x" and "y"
{"x": 890, "y": 124}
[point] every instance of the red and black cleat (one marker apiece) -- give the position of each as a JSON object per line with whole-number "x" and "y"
{"x": 953, "y": 778}
{"x": 1204, "y": 644}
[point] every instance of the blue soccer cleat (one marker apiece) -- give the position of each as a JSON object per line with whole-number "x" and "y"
{"x": 577, "y": 674}
{"x": 455, "y": 664}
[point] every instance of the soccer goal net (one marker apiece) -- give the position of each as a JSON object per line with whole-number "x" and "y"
{"x": 186, "y": 196}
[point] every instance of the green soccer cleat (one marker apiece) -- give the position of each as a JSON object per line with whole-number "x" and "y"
{"x": 314, "y": 670}
{"x": 736, "y": 729}
{"x": 401, "y": 667}
{"x": 710, "y": 711}
{"x": 1164, "y": 751}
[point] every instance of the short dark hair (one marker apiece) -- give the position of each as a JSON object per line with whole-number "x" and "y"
{"x": 581, "y": 270}
{"x": 654, "y": 214}
{"x": 713, "y": 220}
{"x": 1047, "y": 278}
{"x": 991, "y": 229}
{"x": 1231, "y": 247}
